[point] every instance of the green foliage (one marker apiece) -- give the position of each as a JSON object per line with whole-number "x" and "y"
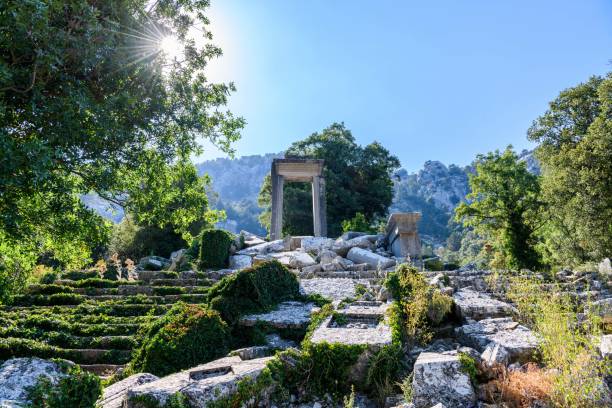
{"x": 177, "y": 400}
{"x": 134, "y": 242}
{"x": 79, "y": 389}
{"x": 48, "y": 300}
{"x": 215, "y": 247}
{"x": 568, "y": 342}
{"x": 468, "y": 366}
{"x": 248, "y": 392}
{"x": 383, "y": 371}
{"x": 358, "y": 179}
{"x": 357, "y": 223}
{"x": 186, "y": 336}
{"x": 504, "y": 204}
{"x": 88, "y": 104}
{"x": 49, "y": 289}
{"x": 406, "y": 387}
{"x": 434, "y": 264}
{"x": 253, "y": 290}
{"x": 420, "y": 305}
{"x": 316, "y": 370}
{"x": 575, "y": 153}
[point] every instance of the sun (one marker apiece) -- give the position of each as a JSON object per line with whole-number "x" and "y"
{"x": 171, "y": 47}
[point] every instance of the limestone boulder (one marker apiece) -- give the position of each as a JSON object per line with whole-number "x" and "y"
{"x": 316, "y": 244}
{"x": 360, "y": 255}
{"x": 342, "y": 247}
{"x": 239, "y": 262}
{"x": 18, "y": 374}
{"x": 264, "y": 248}
{"x": 301, "y": 259}
{"x": 287, "y": 315}
{"x": 471, "y": 304}
{"x": 326, "y": 256}
{"x": 518, "y": 342}
{"x": 113, "y": 395}
{"x": 605, "y": 267}
{"x": 153, "y": 263}
{"x": 437, "y": 378}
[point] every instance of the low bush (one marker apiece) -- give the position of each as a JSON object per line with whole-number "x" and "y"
{"x": 434, "y": 265}
{"x": 101, "y": 283}
{"x": 132, "y": 241}
{"x": 80, "y": 275}
{"x": 253, "y": 290}
{"x": 383, "y": 370}
{"x": 48, "y": 289}
{"x": 215, "y": 247}
{"x": 186, "y": 336}
{"x": 421, "y": 306}
{"x": 79, "y": 389}
{"x": 531, "y": 387}
{"x": 316, "y": 370}
{"x": 48, "y": 300}
{"x": 569, "y": 342}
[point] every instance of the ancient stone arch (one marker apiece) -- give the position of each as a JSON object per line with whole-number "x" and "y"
{"x": 298, "y": 170}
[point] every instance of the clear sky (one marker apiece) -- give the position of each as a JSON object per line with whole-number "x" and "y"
{"x": 430, "y": 80}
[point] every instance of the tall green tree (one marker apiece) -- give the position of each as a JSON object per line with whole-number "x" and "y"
{"x": 88, "y": 99}
{"x": 358, "y": 180}
{"x": 503, "y": 206}
{"x": 575, "y": 152}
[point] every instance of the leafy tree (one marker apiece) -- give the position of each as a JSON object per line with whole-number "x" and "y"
{"x": 358, "y": 179}
{"x": 503, "y": 205}
{"x": 89, "y": 102}
{"x": 575, "y": 152}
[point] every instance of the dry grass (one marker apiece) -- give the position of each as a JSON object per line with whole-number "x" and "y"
{"x": 520, "y": 389}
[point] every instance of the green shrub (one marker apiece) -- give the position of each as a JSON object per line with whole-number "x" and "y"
{"x": 80, "y": 275}
{"x": 215, "y": 247}
{"x": 49, "y": 278}
{"x": 468, "y": 366}
{"x": 48, "y": 300}
{"x": 358, "y": 224}
{"x": 186, "y": 336}
{"x": 568, "y": 342}
{"x": 316, "y": 370}
{"x": 383, "y": 371}
{"x": 48, "y": 289}
{"x": 421, "y": 306}
{"x": 132, "y": 241}
{"x": 79, "y": 389}
{"x": 434, "y": 265}
{"x": 253, "y": 290}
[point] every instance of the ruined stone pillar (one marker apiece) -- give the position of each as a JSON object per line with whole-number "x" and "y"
{"x": 318, "y": 206}
{"x": 402, "y": 234}
{"x": 276, "y": 226}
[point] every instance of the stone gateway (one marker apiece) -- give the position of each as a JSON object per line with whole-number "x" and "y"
{"x": 298, "y": 170}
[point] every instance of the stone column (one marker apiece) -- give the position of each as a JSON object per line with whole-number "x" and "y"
{"x": 276, "y": 226}
{"x": 316, "y": 206}
{"x": 322, "y": 206}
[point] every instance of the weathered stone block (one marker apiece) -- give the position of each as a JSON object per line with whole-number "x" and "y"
{"x": 518, "y": 341}
{"x": 437, "y": 378}
{"x": 293, "y": 315}
{"x": 113, "y": 395}
{"x": 359, "y": 255}
{"x": 477, "y": 305}
{"x": 239, "y": 262}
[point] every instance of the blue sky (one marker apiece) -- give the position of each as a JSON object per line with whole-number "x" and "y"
{"x": 430, "y": 80}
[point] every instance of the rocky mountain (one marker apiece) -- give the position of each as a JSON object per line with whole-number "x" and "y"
{"x": 435, "y": 191}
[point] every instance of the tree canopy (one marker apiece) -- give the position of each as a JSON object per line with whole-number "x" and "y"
{"x": 89, "y": 101}
{"x": 503, "y": 206}
{"x": 358, "y": 180}
{"x": 575, "y": 152}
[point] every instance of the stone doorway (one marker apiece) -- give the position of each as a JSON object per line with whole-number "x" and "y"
{"x": 298, "y": 170}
